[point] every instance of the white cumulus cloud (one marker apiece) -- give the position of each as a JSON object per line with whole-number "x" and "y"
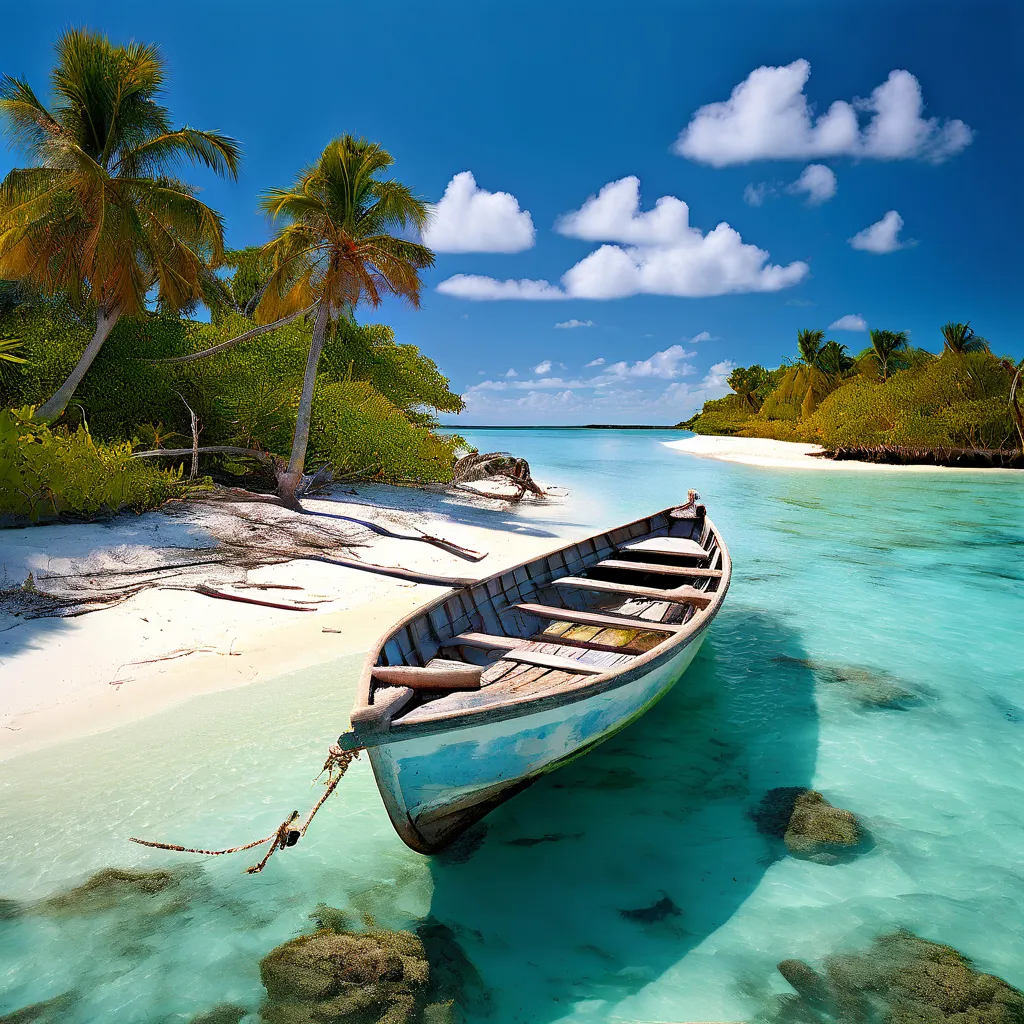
{"x": 768, "y": 117}
{"x": 850, "y": 322}
{"x": 599, "y": 361}
{"x": 470, "y": 219}
{"x": 569, "y": 324}
{"x": 663, "y": 256}
{"x": 543, "y": 367}
{"x": 667, "y": 365}
{"x": 818, "y": 182}
{"x": 718, "y": 374}
{"x": 476, "y": 286}
{"x": 881, "y": 237}
{"x": 703, "y": 336}
{"x": 613, "y": 215}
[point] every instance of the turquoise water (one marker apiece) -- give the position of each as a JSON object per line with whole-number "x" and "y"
{"x": 915, "y": 580}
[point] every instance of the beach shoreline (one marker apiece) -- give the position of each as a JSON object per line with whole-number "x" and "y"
{"x": 66, "y": 678}
{"x": 771, "y": 454}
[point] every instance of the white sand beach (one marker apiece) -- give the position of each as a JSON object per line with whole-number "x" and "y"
{"x": 762, "y": 451}
{"x": 62, "y": 678}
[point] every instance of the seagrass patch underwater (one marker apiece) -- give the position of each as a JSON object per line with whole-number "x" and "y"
{"x": 868, "y": 650}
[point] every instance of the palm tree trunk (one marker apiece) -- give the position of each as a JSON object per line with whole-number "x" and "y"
{"x": 288, "y": 481}
{"x": 232, "y": 342}
{"x": 55, "y": 405}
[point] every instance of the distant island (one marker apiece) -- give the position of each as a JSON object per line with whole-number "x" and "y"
{"x": 890, "y": 403}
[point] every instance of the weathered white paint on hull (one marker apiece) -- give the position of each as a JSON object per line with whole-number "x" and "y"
{"x": 432, "y": 784}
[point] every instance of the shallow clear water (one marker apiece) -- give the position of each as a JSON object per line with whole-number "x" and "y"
{"x": 917, "y": 579}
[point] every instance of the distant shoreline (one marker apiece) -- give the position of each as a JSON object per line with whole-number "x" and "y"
{"x": 560, "y": 426}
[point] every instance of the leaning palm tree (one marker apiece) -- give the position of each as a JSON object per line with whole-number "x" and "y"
{"x": 960, "y": 338}
{"x": 809, "y": 345}
{"x": 885, "y": 345}
{"x": 339, "y": 245}
{"x": 98, "y": 217}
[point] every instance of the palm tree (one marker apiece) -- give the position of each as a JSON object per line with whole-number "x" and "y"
{"x": 833, "y": 358}
{"x": 809, "y": 344}
{"x": 338, "y": 246}
{"x": 885, "y": 345}
{"x": 745, "y": 380}
{"x": 960, "y": 338}
{"x": 98, "y": 217}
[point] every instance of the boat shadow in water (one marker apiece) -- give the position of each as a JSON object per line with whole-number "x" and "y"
{"x": 598, "y": 878}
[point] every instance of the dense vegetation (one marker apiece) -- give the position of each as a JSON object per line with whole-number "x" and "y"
{"x": 891, "y": 394}
{"x": 106, "y": 256}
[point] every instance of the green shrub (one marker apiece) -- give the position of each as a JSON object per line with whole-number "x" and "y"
{"x": 721, "y": 416}
{"x": 45, "y": 472}
{"x": 358, "y": 431}
{"x": 957, "y": 401}
{"x": 245, "y": 396}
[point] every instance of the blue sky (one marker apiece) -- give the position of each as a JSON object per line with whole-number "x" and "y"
{"x": 551, "y": 103}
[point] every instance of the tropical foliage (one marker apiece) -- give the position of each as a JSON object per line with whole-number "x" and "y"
{"x": 339, "y": 244}
{"x": 48, "y": 473}
{"x": 104, "y": 256}
{"x": 891, "y": 394}
{"x": 98, "y": 217}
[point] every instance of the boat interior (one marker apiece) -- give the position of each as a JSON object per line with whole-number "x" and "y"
{"x": 554, "y": 623}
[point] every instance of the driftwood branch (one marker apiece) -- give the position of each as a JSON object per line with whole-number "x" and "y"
{"x": 210, "y": 592}
{"x": 221, "y": 449}
{"x": 394, "y": 571}
{"x": 231, "y": 343}
{"x": 445, "y": 545}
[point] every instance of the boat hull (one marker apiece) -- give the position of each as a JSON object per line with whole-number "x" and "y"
{"x": 435, "y": 786}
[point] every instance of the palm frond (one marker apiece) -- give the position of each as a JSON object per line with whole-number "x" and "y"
{"x": 214, "y": 150}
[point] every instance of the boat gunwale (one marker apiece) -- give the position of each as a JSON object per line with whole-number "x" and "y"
{"x": 520, "y": 705}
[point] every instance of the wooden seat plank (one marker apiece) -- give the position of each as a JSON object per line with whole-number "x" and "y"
{"x": 677, "y": 595}
{"x": 661, "y": 570}
{"x": 546, "y": 611}
{"x": 682, "y": 546}
{"x": 515, "y": 648}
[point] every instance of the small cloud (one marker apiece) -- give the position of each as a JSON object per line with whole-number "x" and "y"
{"x": 569, "y": 324}
{"x": 755, "y": 195}
{"x": 850, "y": 322}
{"x": 818, "y": 182}
{"x": 718, "y": 375}
{"x": 666, "y": 365}
{"x": 465, "y": 316}
{"x": 543, "y": 367}
{"x": 703, "y": 336}
{"x": 882, "y": 236}
{"x": 599, "y": 361}
{"x": 511, "y": 373}
{"x": 470, "y": 219}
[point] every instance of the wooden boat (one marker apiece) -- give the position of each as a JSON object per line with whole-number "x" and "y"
{"x": 469, "y": 700}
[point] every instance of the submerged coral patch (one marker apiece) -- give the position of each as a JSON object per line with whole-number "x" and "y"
{"x": 870, "y": 688}
{"x": 808, "y": 824}
{"x": 109, "y": 888}
{"x": 371, "y": 977}
{"x": 898, "y": 979}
